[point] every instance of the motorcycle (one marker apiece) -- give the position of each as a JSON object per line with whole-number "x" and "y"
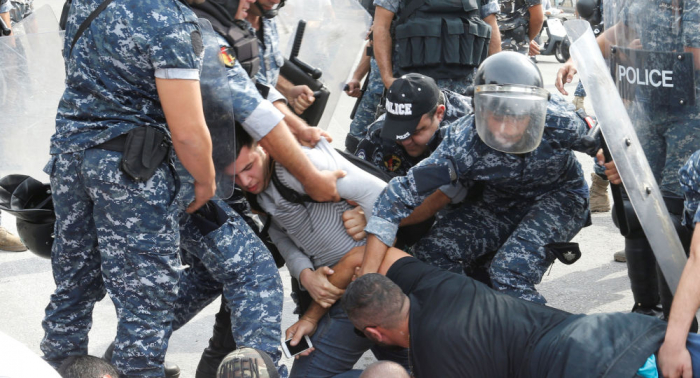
{"x": 554, "y": 39}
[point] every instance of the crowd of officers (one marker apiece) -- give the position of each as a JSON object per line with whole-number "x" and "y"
{"x": 483, "y": 156}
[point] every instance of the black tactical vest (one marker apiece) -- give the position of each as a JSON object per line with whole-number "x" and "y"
{"x": 244, "y": 44}
{"x": 441, "y": 38}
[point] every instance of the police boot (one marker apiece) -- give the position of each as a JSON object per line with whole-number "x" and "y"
{"x": 600, "y": 202}
{"x": 9, "y": 242}
{"x": 641, "y": 269}
{"x": 221, "y": 343}
{"x": 578, "y": 102}
{"x": 171, "y": 370}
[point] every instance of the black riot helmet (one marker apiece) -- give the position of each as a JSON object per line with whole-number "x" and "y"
{"x": 510, "y": 103}
{"x": 269, "y": 13}
{"x": 30, "y": 202}
{"x": 585, "y": 8}
{"x": 231, "y": 7}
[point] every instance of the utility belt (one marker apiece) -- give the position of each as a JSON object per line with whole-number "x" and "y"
{"x": 143, "y": 150}
{"x": 442, "y": 46}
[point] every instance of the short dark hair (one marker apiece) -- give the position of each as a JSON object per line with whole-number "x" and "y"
{"x": 86, "y": 367}
{"x": 374, "y": 299}
{"x": 243, "y": 139}
{"x": 441, "y": 101}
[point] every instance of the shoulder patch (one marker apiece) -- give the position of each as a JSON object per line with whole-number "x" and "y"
{"x": 228, "y": 59}
{"x": 392, "y": 162}
{"x": 197, "y": 43}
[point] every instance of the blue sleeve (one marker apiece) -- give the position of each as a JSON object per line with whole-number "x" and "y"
{"x": 257, "y": 115}
{"x": 451, "y": 160}
{"x": 172, "y": 54}
{"x": 489, "y": 7}
{"x": 390, "y": 5}
{"x": 532, "y": 3}
{"x": 691, "y": 20}
{"x": 690, "y": 183}
{"x": 5, "y": 6}
{"x": 563, "y": 120}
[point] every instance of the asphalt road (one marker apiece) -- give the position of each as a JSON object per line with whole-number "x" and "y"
{"x": 594, "y": 284}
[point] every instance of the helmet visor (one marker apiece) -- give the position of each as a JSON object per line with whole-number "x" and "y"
{"x": 510, "y": 118}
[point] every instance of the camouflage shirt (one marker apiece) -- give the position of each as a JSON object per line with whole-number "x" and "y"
{"x": 509, "y": 180}
{"x": 512, "y": 10}
{"x": 111, "y": 72}
{"x": 271, "y": 59}
{"x": 690, "y": 183}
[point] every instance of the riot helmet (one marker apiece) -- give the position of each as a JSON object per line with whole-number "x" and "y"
{"x": 231, "y": 7}
{"x": 585, "y": 8}
{"x": 30, "y": 202}
{"x": 510, "y": 103}
{"x": 269, "y": 13}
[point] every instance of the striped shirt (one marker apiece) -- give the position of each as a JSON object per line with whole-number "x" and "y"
{"x": 312, "y": 235}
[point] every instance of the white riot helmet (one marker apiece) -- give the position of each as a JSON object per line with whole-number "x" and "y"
{"x": 510, "y": 103}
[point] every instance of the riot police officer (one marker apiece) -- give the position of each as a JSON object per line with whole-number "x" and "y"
{"x": 220, "y": 248}
{"x": 653, "y": 51}
{"x": 394, "y": 145}
{"x": 445, "y": 41}
{"x": 117, "y": 232}
{"x": 520, "y": 22}
{"x": 519, "y": 143}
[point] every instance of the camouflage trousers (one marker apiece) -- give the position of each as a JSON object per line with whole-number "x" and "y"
{"x": 509, "y": 43}
{"x": 116, "y": 236}
{"x": 516, "y": 235}
{"x": 668, "y": 139}
{"x": 368, "y": 104}
{"x": 232, "y": 259}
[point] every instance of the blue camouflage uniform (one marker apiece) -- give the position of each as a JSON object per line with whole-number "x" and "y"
{"x": 690, "y": 183}
{"x": 514, "y": 23}
{"x": 5, "y": 6}
{"x": 488, "y": 7}
{"x": 669, "y": 134}
{"x": 390, "y": 156}
{"x": 231, "y": 257}
{"x": 271, "y": 59}
{"x": 113, "y": 234}
{"x": 528, "y": 201}
{"x": 367, "y": 109}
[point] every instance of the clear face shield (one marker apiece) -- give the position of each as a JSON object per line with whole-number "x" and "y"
{"x": 510, "y": 118}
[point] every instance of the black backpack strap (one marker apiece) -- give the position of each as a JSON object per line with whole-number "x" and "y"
{"x": 87, "y": 22}
{"x": 288, "y": 193}
{"x": 64, "y": 15}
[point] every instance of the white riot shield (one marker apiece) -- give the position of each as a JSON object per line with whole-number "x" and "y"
{"x": 334, "y": 36}
{"x": 218, "y": 110}
{"x": 42, "y": 20}
{"x": 32, "y": 77}
{"x": 627, "y": 152}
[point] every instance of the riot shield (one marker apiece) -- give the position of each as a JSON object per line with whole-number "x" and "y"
{"x": 32, "y": 79}
{"x": 333, "y": 38}
{"x": 618, "y": 120}
{"x": 42, "y": 20}
{"x": 218, "y": 110}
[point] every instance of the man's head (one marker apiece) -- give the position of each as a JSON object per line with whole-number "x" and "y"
{"x": 510, "y": 103}
{"x": 382, "y": 369}
{"x": 87, "y": 367}
{"x": 378, "y": 308}
{"x": 415, "y": 107}
{"x": 252, "y": 165}
{"x": 266, "y": 8}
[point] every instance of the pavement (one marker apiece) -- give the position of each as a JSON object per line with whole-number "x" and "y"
{"x": 594, "y": 284}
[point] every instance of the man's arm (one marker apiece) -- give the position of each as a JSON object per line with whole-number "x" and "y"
{"x": 535, "y": 26}
{"x": 182, "y": 104}
{"x": 299, "y": 96}
{"x": 344, "y": 271}
{"x": 6, "y": 17}
{"x": 354, "y": 86}
{"x": 432, "y": 204}
{"x": 383, "y": 44}
{"x": 674, "y": 358}
{"x": 305, "y": 134}
{"x": 495, "y": 43}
